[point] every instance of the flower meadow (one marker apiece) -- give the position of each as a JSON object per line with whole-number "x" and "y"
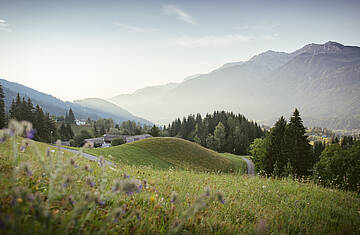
{"x": 47, "y": 190}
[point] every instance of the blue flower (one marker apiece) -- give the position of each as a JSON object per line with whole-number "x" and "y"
{"x": 30, "y": 134}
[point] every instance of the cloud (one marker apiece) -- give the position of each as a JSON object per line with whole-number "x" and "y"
{"x": 212, "y": 41}
{"x": 270, "y": 37}
{"x": 135, "y": 28}
{"x": 180, "y": 14}
{"x": 4, "y": 26}
{"x": 262, "y": 27}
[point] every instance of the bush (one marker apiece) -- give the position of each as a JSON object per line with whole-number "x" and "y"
{"x": 117, "y": 141}
{"x": 339, "y": 167}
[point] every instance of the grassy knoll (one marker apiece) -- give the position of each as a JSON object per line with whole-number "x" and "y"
{"x": 44, "y": 192}
{"x": 171, "y": 152}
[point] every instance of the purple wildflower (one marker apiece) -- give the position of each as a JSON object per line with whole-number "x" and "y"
{"x": 30, "y": 134}
{"x": 87, "y": 168}
{"x": 125, "y": 176}
{"x": 11, "y": 132}
{"x": 71, "y": 200}
{"x": 99, "y": 202}
{"x": 90, "y": 182}
{"x": 67, "y": 182}
{"x": 220, "y": 197}
{"x": 27, "y": 170}
{"x": 2, "y": 140}
{"x": 173, "y": 197}
{"x": 73, "y": 163}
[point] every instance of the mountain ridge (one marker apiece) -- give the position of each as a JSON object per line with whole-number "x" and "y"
{"x": 57, "y": 107}
{"x": 322, "y": 80}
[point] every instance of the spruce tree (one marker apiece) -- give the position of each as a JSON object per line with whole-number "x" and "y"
{"x": 298, "y": 147}
{"x": 2, "y": 109}
{"x": 71, "y": 117}
{"x": 63, "y": 132}
{"x": 69, "y": 131}
{"x": 276, "y": 148}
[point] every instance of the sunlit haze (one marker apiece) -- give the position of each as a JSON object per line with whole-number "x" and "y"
{"x": 78, "y": 49}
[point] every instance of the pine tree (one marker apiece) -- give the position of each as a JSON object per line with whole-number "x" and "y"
{"x": 69, "y": 131}
{"x": 2, "y": 109}
{"x": 298, "y": 147}
{"x": 63, "y": 132}
{"x": 276, "y": 148}
{"x": 71, "y": 117}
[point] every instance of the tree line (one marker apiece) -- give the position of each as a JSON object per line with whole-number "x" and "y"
{"x": 286, "y": 151}
{"x": 43, "y": 124}
{"x": 220, "y": 131}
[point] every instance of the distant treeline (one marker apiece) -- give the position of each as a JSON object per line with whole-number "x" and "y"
{"x": 220, "y": 131}
{"x": 44, "y": 125}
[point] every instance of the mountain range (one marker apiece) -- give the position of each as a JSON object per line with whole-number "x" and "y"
{"x": 321, "y": 80}
{"x": 94, "y": 108}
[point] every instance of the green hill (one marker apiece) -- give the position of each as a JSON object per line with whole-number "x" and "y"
{"x": 171, "y": 152}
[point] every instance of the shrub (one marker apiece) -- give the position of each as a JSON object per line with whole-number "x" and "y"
{"x": 339, "y": 167}
{"x": 117, "y": 141}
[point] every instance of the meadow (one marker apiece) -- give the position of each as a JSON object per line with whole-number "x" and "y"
{"x": 47, "y": 190}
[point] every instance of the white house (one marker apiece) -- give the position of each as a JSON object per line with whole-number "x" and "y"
{"x": 80, "y": 122}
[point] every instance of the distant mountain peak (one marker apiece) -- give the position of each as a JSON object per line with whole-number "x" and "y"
{"x": 329, "y": 47}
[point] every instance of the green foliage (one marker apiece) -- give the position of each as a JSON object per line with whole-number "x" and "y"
{"x": 70, "y": 117}
{"x": 285, "y": 148}
{"x": 154, "y": 131}
{"x": 258, "y": 151}
{"x": 219, "y": 136}
{"x": 79, "y": 139}
{"x": 298, "y": 147}
{"x": 339, "y": 167}
{"x": 234, "y": 135}
{"x": 117, "y": 141}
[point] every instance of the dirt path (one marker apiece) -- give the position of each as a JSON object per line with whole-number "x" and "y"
{"x": 86, "y": 155}
{"x": 250, "y": 166}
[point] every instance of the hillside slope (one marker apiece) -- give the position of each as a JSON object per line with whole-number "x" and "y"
{"x": 170, "y": 152}
{"x": 55, "y": 106}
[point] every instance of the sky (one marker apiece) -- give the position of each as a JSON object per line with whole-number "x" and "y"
{"x": 79, "y": 49}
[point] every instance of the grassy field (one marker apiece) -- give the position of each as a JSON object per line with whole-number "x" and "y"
{"x": 50, "y": 191}
{"x": 162, "y": 153}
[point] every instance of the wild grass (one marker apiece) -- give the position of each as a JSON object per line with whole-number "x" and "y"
{"x": 46, "y": 190}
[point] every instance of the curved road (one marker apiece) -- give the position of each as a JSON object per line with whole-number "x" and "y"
{"x": 86, "y": 155}
{"x": 250, "y": 166}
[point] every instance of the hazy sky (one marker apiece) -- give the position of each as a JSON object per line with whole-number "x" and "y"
{"x": 78, "y": 49}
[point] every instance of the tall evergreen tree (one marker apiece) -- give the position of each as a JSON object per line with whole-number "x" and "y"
{"x": 298, "y": 146}
{"x": 63, "y": 132}
{"x": 71, "y": 117}
{"x": 2, "y": 109}
{"x": 276, "y": 148}
{"x": 69, "y": 131}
